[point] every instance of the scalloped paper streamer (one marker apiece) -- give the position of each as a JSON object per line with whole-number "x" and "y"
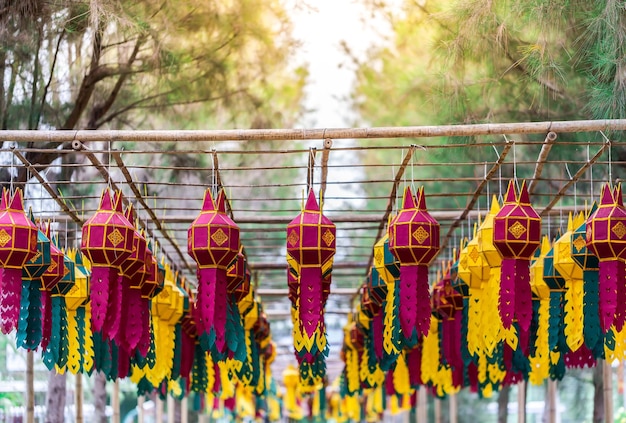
{"x": 50, "y": 354}
{"x": 30, "y": 329}
{"x": 610, "y": 273}
{"x": 474, "y": 317}
{"x": 74, "y": 345}
{"x": 178, "y": 350}
{"x": 114, "y": 310}
{"x": 392, "y": 343}
{"x": 465, "y": 354}
{"x": 311, "y": 307}
{"x": 99, "y": 292}
{"x": 540, "y": 358}
{"x": 46, "y": 318}
{"x": 491, "y": 328}
{"x": 592, "y": 330}
{"x": 143, "y": 346}
{"x": 620, "y": 309}
{"x": 132, "y": 310}
{"x": 210, "y": 302}
{"x": 10, "y": 293}
{"x": 401, "y": 382}
{"x": 573, "y": 314}
{"x": 83, "y": 318}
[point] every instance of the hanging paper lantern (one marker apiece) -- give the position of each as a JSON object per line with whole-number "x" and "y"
{"x": 606, "y": 239}
{"x": 311, "y": 243}
{"x": 18, "y": 244}
{"x": 213, "y": 242}
{"x": 414, "y": 240}
{"x": 517, "y": 234}
{"x": 107, "y": 241}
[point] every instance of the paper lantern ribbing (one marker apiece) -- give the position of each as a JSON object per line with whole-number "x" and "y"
{"x": 107, "y": 241}
{"x": 414, "y": 240}
{"x": 606, "y": 239}
{"x": 516, "y": 235}
{"x": 311, "y": 243}
{"x": 18, "y": 244}
{"x": 213, "y": 242}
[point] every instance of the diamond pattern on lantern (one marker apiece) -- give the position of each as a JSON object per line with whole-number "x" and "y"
{"x": 4, "y": 238}
{"x": 219, "y": 237}
{"x": 53, "y": 265}
{"x": 115, "y": 237}
{"x": 293, "y": 238}
{"x": 517, "y": 230}
{"x": 619, "y": 230}
{"x": 378, "y": 255}
{"x": 420, "y": 235}
{"x": 579, "y": 243}
{"x": 36, "y": 257}
{"x": 328, "y": 237}
{"x": 474, "y": 254}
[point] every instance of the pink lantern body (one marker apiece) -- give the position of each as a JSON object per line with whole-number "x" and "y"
{"x": 414, "y": 241}
{"x": 107, "y": 241}
{"x": 516, "y": 236}
{"x": 606, "y": 239}
{"x": 311, "y": 239}
{"x": 18, "y": 244}
{"x": 213, "y": 242}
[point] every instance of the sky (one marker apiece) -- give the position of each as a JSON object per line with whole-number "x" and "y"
{"x": 321, "y": 26}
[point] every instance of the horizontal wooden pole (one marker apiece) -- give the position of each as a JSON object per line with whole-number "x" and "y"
{"x": 313, "y": 134}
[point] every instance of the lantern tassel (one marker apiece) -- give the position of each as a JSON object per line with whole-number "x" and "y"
{"x": 610, "y": 273}
{"x": 10, "y": 299}
{"x": 311, "y": 309}
{"x": 29, "y": 325}
{"x": 114, "y": 308}
{"x": 46, "y": 318}
{"x": 507, "y": 291}
{"x": 99, "y": 295}
{"x": 144, "y": 341}
{"x": 211, "y": 303}
{"x": 523, "y": 295}
{"x": 132, "y": 308}
{"x": 620, "y": 309}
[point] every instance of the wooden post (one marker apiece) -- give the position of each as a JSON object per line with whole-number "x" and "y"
{"x": 184, "y": 410}
{"x": 453, "y": 408}
{"x": 30, "y": 388}
{"x": 551, "y": 402}
{"x": 140, "y": 401}
{"x": 115, "y": 402}
{"x": 607, "y": 376}
{"x": 437, "y": 403}
{"x": 521, "y": 402}
{"x": 422, "y": 406}
{"x": 79, "y": 397}
{"x": 170, "y": 409}
{"x": 158, "y": 409}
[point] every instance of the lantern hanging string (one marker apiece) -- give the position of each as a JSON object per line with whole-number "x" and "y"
{"x": 610, "y": 163}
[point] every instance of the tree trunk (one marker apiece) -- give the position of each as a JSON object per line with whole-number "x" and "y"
{"x": 100, "y": 398}
{"x": 55, "y": 400}
{"x": 598, "y": 394}
{"x": 503, "y": 404}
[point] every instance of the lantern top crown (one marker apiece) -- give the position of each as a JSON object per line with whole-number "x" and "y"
{"x": 105, "y": 200}
{"x": 17, "y": 202}
{"x": 408, "y": 201}
{"x": 512, "y": 196}
{"x": 311, "y": 204}
{"x": 420, "y": 199}
{"x": 117, "y": 202}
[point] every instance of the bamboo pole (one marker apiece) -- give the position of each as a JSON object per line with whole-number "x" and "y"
{"x": 453, "y": 408}
{"x": 422, "y": 406}
{"x": 140, "y": 411}
{"x": 184, "y": 410}
{"x": 437, "y": 402}
{"x": 115, "y": 402}
{"x": 79, "y": 397}
{"x": 521, "y": 402}
{"x": 76, "y": 137}
{"x": 30, "y": 388}
{"x": 607, "y": 376}
{"x": 170, "y": 409}
{"x": 158, "y": 409}
{"x": 552, "y": 401}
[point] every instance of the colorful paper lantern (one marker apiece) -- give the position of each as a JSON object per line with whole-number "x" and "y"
{"x": 414, "y": 240}
{"x": 213, "y": 242}
{"x": 311, "y": 243}
{"x": 107, "y": 241}
{"x": 517, "y": 235}
{"x": 606, "y": 239}
{"x": 18, "y": 245}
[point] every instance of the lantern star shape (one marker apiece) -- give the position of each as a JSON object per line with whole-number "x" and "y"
{"x": 516, "y": 235}
{"x": 18, "y": 245}
{"x": 414, "y": 240}
{"x": 606, "y": 239}
{"x": 213, "y": 242}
